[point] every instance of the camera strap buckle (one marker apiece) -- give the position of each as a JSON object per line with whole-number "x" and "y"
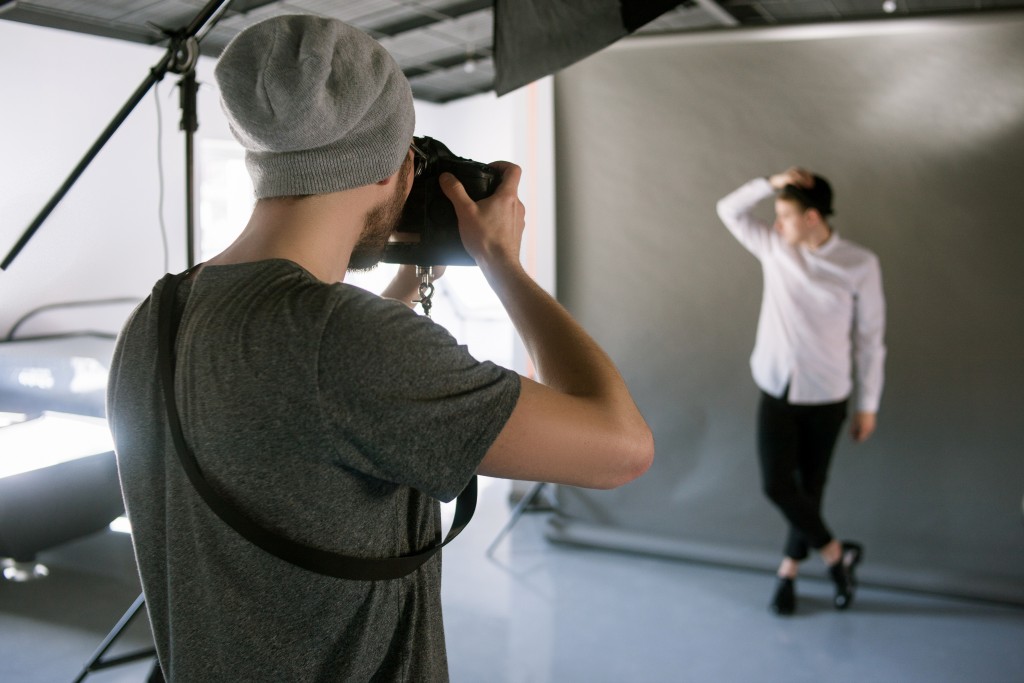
{"x": 426, "y": 276}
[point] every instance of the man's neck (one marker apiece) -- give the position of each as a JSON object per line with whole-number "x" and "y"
{"x": 819, "y": 237}
{"x": 317, "y": 232}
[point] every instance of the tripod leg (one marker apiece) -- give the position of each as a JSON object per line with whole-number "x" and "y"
{"x": 97, "y": 662}
{"x": 517, "y": 512}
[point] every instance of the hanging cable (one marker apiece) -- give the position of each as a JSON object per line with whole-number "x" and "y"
{"x": 160, "y": 177}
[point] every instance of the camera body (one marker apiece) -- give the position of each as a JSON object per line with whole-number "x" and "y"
{"x": 428, "y": 232}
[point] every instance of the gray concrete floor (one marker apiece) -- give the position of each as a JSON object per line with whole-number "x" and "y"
{"x": 545, "y": 613}
{"x": 538, "y": 612}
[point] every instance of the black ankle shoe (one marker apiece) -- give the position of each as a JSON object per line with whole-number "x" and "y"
{"x": 784, "y": 601}
{"x": 843, "y": 576}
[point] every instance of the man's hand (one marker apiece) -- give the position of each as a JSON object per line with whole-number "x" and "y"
{"x": 862, "y": 426}
{"x": 793, "y": 176}
{"x": 405, "y": 286}
{"x": 491, "y": 229}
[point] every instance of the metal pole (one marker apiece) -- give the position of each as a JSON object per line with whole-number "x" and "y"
{"x": 189, "y": 124}
{"x": 179, "y": 41}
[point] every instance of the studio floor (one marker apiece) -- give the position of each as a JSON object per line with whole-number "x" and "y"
{"x": 539, "y": 612}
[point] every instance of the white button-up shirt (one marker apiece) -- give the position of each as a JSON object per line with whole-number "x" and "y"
{"x": 822, "y": 320}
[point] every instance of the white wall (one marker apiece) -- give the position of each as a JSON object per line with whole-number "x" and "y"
{"x": 104, "y": 241}
{"x": 60, "y": 90}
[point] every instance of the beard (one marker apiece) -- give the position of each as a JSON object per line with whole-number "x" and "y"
{"x": 378, "y": 225}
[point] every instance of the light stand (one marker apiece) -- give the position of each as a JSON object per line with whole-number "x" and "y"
{"x": 517, "y": 512}
{"x": 189, "y": 124}
{"x": 180, "y": 58}
{"x": 97, "y": 663}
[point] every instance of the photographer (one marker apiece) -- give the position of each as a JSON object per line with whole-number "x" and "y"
{"x": 329, "y": 415}
{"x": 822, "y": 309}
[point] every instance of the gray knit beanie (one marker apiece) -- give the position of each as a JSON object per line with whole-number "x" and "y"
{"x": 318, "y": 105}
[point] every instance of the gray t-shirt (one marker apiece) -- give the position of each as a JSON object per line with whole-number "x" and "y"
{"x": 330, "y": 416}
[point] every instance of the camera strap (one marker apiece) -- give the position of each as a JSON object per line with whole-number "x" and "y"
{"x": 310, "y": 558}
{"x": 426, "y": 287}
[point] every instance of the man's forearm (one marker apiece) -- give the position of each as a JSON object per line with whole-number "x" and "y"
{"x": 566, "y": 357}
{"x": 579, "y": 425}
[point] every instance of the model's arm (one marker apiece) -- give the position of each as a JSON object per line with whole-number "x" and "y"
{"x": 579, "y": 424}
{"x": 735, "y": 209}
{"x": 869, "y": 351}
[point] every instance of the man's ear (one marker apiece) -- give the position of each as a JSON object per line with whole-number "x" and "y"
{"x": 814, "y": 216}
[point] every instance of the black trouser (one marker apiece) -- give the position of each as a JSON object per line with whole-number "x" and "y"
{"x": 795, "y": 444}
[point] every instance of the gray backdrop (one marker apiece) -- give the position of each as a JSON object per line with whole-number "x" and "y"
{"x": 920, "y": 127}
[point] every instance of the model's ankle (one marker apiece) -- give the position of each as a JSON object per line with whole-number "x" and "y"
{"x": 832, "y": 553}
{"x": 788, "y": 569}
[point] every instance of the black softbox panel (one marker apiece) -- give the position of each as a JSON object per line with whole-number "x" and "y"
{"x": 536, "y": 38}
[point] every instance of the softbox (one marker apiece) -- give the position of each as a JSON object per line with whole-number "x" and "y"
{"x": 536, "y": 38}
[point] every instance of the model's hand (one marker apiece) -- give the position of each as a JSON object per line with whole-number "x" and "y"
{"x": 793, "y": 176}
{"x": 862, "y": 426}
{"x": 491, "y": 229}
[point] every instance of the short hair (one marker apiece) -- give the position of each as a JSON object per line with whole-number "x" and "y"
{"x": 818, "y": 196}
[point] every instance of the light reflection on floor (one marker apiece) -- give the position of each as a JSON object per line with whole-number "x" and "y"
{"x": 538, "y": 612}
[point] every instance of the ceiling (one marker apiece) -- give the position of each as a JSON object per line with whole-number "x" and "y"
{"x": 445, "y": 47}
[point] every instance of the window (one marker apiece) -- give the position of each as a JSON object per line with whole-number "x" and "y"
{"x": 463, "y": 302}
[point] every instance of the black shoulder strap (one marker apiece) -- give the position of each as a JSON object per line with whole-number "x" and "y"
{"x": 307, "y": 557}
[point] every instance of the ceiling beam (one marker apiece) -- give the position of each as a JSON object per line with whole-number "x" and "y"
{"x": 446, "y": 13}
{"x": 38, "y": 15}
{"x": 443, "y": 63}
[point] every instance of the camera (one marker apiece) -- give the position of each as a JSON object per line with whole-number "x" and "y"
{"x": 428, "y": 231}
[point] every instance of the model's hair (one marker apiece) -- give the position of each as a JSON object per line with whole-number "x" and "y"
{"x": 818, "y": 196}
{"x": 791, "y": 193}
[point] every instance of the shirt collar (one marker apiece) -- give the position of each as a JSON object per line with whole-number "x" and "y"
{"x": 826, "y": 246}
